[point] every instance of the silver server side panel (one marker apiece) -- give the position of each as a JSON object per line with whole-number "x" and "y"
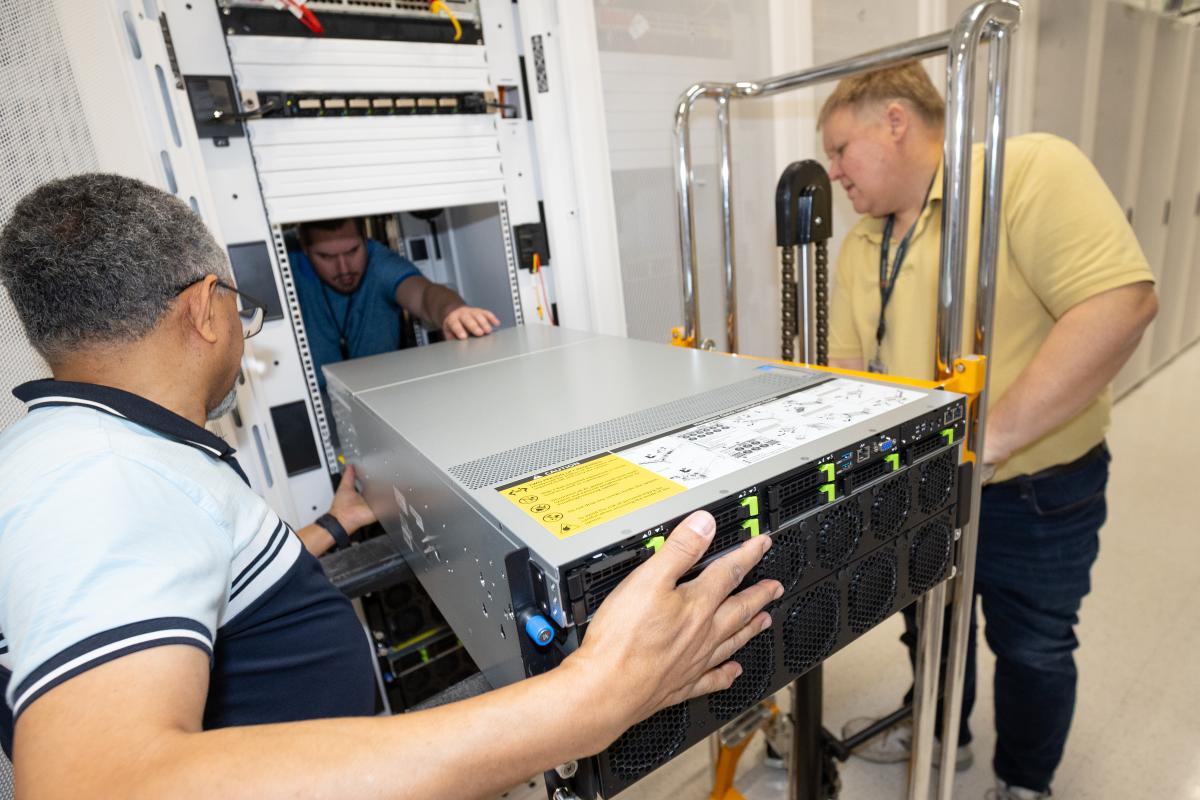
{"x": 455, "y": 551}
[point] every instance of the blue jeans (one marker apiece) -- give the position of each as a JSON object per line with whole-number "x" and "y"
{"x": 1038, "y": 539}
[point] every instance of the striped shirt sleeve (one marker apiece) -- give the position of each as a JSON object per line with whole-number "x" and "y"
{"x": 102, "y": 559}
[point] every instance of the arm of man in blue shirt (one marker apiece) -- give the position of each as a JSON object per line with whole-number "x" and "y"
{"x": 441, "y": 306}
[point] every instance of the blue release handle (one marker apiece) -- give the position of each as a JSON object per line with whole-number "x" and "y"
{"x": 540, "y": 630}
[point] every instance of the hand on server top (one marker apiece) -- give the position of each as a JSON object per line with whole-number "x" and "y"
{"x": 352, "y": 289}
{"x": 467, "y": 321}
{"x": 164, "y": 634}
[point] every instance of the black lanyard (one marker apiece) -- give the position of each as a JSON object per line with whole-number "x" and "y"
{"x": 343, "y": 342}
{"x": 887, "y": 282}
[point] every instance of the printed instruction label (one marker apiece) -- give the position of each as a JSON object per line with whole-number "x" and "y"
{"x": 715, "y": 448}
{"x": 572, "y": 499}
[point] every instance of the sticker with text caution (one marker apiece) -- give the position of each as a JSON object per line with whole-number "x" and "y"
{"x": 580, "y": 496}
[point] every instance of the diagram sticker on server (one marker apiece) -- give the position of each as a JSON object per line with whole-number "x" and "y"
{"x": 718, "y": 447}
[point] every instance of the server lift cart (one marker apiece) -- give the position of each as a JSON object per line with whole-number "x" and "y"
{"x": 803, "y": 221}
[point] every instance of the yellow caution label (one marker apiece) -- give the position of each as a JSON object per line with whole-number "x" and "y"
{"x": 573, "y": 499}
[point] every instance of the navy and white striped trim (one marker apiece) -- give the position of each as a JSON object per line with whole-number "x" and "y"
{"x": 54, "y": 400}
{"x": 51, "y": 393}
{"x": 261, "y": 564}
{"x": 107, "y": 646}
{"x": 260, "y": 560}
{"x": 3, "y": 644}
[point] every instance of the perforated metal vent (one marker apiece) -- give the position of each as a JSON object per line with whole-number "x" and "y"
{"x": 649, "y": 743}
{"x": 812, "y": 627}
{"x": 929, "y": 554}
{"x": 889, "y": 508}
{"x": 786, "y": 560}
{"x": 43, "y": 135}
{"x": 872, "y": 590}
{"x": 576, "y": 444}
{"x": 936, "y": 483}
{"x": 757, "y": 659}
{"x": 839, "y": 533}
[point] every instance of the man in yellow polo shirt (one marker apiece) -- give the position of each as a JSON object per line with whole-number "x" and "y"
{"x": 1073, "y": 296}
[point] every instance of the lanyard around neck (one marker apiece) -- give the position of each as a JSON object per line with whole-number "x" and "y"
{"x": 887, "y": 279}
{"x": 343, "y": 341}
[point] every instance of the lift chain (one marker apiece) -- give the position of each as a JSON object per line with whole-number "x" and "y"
{"x": 822, "y": 293}
{"x": 788, "y": 305}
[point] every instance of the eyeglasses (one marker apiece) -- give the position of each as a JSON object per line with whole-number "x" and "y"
{"x": 250, "y": 311}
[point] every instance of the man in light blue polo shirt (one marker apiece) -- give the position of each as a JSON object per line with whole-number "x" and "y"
{"x": 164, "y": 634}
{"x": 352, "y": 289}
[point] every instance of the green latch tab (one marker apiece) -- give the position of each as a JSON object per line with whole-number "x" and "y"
{"x": 949, "y": 434}
{"x": 752, "y": 526}
{"x": 830, "y": 491}
{"x": 655, "y": 542}
{"x": 830, "y": 471}
{"x": 894, "y": 460}
{"x": 751, "y": 503}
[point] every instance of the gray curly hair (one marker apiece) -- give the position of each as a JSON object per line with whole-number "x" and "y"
{"x": 99, "y": 258}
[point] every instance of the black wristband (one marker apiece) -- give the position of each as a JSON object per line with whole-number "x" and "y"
{"x": 329, "y": 522}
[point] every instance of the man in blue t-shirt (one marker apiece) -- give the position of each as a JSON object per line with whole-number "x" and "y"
{"x": 352, "y": 288}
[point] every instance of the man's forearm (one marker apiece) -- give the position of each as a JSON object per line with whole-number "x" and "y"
{"x": 1085, "y": 349}
{"x": 315, "y": 539}
{"x": 447, "y": 752}
{"x": 439, "y": 301}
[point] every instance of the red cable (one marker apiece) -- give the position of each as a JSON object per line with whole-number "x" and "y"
{"x": 303, "y": 13}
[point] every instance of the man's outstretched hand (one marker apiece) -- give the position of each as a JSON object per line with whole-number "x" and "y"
{"x": 653, "y": 644}
{"x": 349, "y": 506}
{"x": 466, "y": 321}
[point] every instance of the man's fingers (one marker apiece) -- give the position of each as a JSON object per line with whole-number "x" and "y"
{"x": 684, "y": 547}
{"x": 346, "y": 484}
{"x": 757, "y": 624}
{"x": 453, "y": 327}
{"x": 725, "y": 574}
{"x": 482, "y": 318}
{"x": 714, "y": 680}
{"x": 738, "y": 609}
{"x": 472, "y": 323}
{"x": 492, "y": 318}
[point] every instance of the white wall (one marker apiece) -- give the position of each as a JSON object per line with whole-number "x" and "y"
{"x": 650, "y": 51}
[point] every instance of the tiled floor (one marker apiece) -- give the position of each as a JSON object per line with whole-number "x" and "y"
{"x": 1137, "y": 725}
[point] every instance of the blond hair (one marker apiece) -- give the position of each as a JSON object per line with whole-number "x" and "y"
{"x": 906, "y": 82}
